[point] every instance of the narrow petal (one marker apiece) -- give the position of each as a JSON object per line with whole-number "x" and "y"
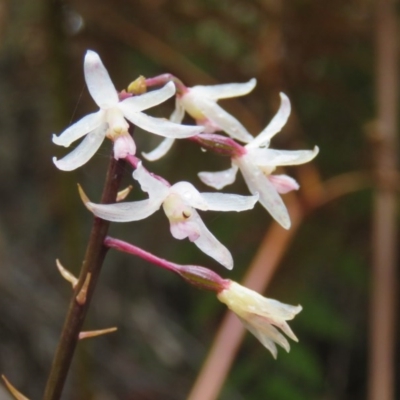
{"x": 160, "y": 126}
{"x": 150, "y": 99}
{"x": 79, "y": 129}
{"x": 98, "y": 81}
{"x": 149, "y": 184}
{"x": 189, "y": 194}
{"x": 283, "y": 183}
{"x": 268, "y": 157}
{"x": 125, "y": 212}
{"x": 178, "y": 114}
{"x": 275, "y": 126}
{"x": 210, "y": 245}
{"x": 84, "y": 152}
{"x": 160, "y": 151}
{"x": 228, "y": 202}
{"x": 226, "y": 90}
{"x": 224, "y": 120}
{"x": 218, "y": 180}
{"x": 257, "y": 182}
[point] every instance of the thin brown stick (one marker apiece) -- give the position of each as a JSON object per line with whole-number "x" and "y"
{"x": 80, "y": 301}
{"x": 384, "y": 240}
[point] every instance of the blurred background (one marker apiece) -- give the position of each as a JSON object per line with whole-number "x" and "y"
{"x": 326, "y": 56}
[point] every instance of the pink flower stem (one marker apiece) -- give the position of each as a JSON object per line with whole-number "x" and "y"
{"x": 193, "y": 274}
{"x": 165, "y": 78}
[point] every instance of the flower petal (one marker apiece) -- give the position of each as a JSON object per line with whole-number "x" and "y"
{"x": 84, "y": 152}
{"x": 283, "y": 183}
{"x": 124, "y": 146}
{"x": 150, "y": 99}
{"x": 228, "y": 202}
{"x": 268, "y": 157}
{"x": 178, "y": 114}
{"x": 98, "y": 81}
{"x": 220, "y": 179}
{"x": 225, "y": 91}
{"x": 149, "y": 184}
{"x": 125, "y": 212}
{"x": 224, "y": 120}
{"x": 160, "y": 126}
{"x": 210, "y": 245}
{"x": 86, "y": 124}
{"x": 160, "y": 151}
{"x": 257, "y": 182}
{"x": 275, "y": 126}
{"x": 189, "y": 194}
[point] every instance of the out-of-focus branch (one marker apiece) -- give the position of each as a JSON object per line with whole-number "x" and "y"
{"x": 230, "y": 334}
{"x": 384, "y": 240}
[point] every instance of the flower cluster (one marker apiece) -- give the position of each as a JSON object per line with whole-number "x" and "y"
{"x": 180, "y": 201}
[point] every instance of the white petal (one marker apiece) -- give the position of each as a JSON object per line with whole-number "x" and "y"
{"x": 275, "y": 126}
{"x": 160, "y": 126}
{"x": 283, "y": 183}
{"x": 79, "y": 129}
{"x": 160, "y": 151}
{"x": 98, "y": 81}
{"x": 178, "y": 114}
{"x": 150, "y": 99}
{"x": 149, "y": 184}
{"x": 84, "y": 152}
{"x": 228, "y": 202}
{"x": 125, "y": 212}
{"x": 124, "y": 146}
{"x": 226, "y": 90}
{"x": 210, "y": 245}
{"x": 224, "y": 120}
{"x": 257, "y": 182}
{"x": 268, "y": 157}
{"x": 220, "y": 179}
{"x": 189, "y": 194}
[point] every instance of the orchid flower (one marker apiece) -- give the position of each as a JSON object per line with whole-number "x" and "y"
{"x": 179, "y": 202}
{"x": 200, "y": 102}
{"x": 257, "y": 163}
{"x": 260, "y": 315}
{"x": 110, "y": 120}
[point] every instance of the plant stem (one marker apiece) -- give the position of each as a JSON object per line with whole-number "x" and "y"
{"x": 80, "y": 301}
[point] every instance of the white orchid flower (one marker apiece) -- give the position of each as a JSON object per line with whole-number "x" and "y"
{"x": 179, "y": 202}
{"x": 260, "y": 315}
{"x": 110, "y": 120}
{"x": 257, "y": 164}
{"x": 200, "y": 102}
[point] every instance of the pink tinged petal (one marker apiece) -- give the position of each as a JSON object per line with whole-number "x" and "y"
{"x": 79, "y": 129}
{"x": 84, "y": 152}
{"x": 189, "y": 195}
{"x": 210, "y": 245}
{"x": 224, "y": 91}
{"x": 149, "y": 99}
{"x": 149, "y": 184}
{"x": 283, "y": 157}
{"x": 257, "y": 182}
{"x": 224, "y": 120}
{"x": 218, "y": 180}
{"x": 184, "y": 229}
{"x": 124, "y": 146}
{"x": 125, "y": 212}
{"x": 98, "y": 81}
{"x": 160, "y": 151}
{"x": 275, "y": 126}
{"x": 160, "y": 126}
{"x": 283, "y": 183}
{"x": 228, "y": 202}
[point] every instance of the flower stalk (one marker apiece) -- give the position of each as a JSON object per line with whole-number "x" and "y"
{"x": 94, "y": 257}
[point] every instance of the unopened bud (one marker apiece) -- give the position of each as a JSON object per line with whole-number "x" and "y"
{"x": 66, "y": 274}
{"x": 81, "y": 296}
